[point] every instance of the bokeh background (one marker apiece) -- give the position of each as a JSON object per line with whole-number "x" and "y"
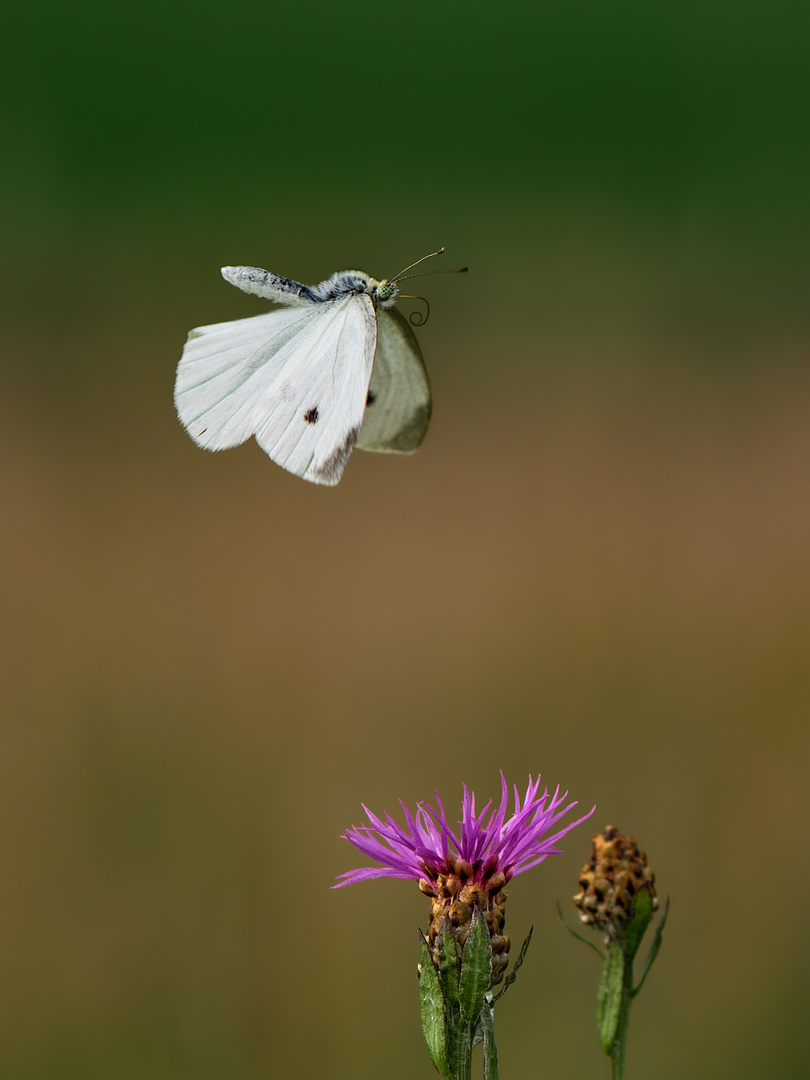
{"x": 596, "y": 566}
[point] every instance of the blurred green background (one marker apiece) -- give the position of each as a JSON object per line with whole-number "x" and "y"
{"x": 596, "y": 567}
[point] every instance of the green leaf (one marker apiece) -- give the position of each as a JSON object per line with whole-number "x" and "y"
{"x": 655, "y": 947}
{"x": 490, "y": 1049}
{"x": 478, "y": 1037}
{"x": 457, "y": 1030}
{"x": 510, "y": 978}
{"x": 476, "y": 969}
{"x": 609, "y": 998}
{"x": 432, "y": 1005}
{"x": 449, "y": 968}
{"x": 637, "y": 927}
{"x": 579, "y": 937}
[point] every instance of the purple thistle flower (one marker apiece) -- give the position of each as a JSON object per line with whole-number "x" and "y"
{"x": 496, "y": 844}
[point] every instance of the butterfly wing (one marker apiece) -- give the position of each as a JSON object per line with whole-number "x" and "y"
{"x": 224, "y": 372}
{"x": 258, "y": 282}
{"x": 321, "y": 396}
{"x": 399, "y": 399}
{"x": 297, "y": 379}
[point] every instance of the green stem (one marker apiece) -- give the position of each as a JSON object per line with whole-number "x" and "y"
{"x": 620, "y": 1043}
{"x": 463, "y": 1058}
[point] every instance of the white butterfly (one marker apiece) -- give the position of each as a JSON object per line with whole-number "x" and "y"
{"x": 336, "y": 367}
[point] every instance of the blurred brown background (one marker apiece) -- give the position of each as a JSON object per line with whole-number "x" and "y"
{"x": 596, "y": 567}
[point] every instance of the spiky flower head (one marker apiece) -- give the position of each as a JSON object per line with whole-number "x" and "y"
{"x": 464, "y": 869}
{"x": 610, "y": 881}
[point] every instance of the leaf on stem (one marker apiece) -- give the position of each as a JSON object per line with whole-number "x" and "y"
{"x": 609, "y": 998}
{"x": 476, "y": 969}
{"x": 654, "y": 949}
{"x": 449, "y": 969}
{"x": 637, "y": 927}
{"x": 490, "y": 1049}
{"x": 432, "y": 1006}
{"x": 579, "y": 937}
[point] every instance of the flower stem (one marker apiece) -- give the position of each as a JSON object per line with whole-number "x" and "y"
{"x": 464, "y": 1060}
{"x": 617, "y": 1051}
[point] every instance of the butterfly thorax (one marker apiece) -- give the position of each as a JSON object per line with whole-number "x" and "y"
{"x": 383, "y": 294}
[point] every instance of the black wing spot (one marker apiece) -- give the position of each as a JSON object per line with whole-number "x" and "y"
{"x": 311, "y": 416}
{"x": 372, "y": 397}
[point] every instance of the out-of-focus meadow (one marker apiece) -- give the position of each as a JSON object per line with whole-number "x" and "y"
{"x": 596, "y": 566}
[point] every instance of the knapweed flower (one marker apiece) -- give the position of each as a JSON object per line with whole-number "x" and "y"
{"x": 464, "y": 869}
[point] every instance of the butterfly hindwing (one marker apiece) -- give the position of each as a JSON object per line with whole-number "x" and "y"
{"x": 399, "y": 398}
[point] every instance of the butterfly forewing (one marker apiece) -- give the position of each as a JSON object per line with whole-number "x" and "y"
{"x": 399, "y": 399}
{"x": 227, "y": 370}
{"x": 310, "y": 426}
{"x": 258, "y": 282}
{"x": 297, "y": 379}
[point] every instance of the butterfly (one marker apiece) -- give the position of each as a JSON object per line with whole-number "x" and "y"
{"x": 334, "y": 367}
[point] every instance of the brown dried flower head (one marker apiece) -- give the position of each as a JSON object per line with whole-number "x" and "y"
{"x": 610, "y": 881}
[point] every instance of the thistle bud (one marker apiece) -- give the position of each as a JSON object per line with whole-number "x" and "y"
{"x": 610, "y": 881}
{"x": 617, "y": 896}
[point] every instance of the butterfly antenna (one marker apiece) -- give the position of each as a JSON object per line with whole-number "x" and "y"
{"x": 407, "y": 268}
{"x": 416, "y": 318}
{"x": 424, "y": 273}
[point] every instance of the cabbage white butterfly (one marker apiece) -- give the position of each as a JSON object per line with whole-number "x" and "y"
{"x": 335, "y": 367}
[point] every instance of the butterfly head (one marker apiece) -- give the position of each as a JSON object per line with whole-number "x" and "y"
{"x": 385, "y": 293}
